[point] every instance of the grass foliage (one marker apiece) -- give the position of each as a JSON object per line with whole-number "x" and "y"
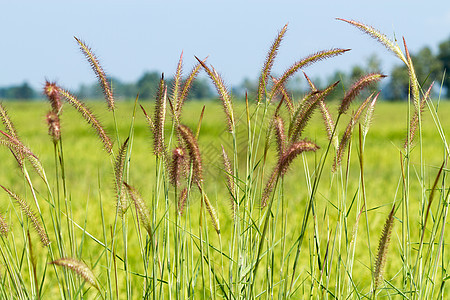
{"x": 272, "y": 198}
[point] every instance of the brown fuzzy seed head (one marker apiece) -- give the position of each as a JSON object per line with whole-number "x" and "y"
{"x": 292, "y": 152}
{"x": 54, "y": 127}
{"x": 52, "y": 92}
{"x": 194, "y": 152}
{"x": 179, "y": 166}
{"x": 356, "y": 88}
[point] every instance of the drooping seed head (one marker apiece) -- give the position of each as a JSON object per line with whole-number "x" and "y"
{"x": 380, "y": 37}
{"x": 292, "y": 152}
{"x": 90, "y": 118}
{"x": 31, "y": 215}
{"x": 79, "y": 268}
{"x": 356, "y": 88}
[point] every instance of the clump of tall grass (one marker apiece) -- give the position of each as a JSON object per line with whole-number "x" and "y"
{"x": 169, "y": 243}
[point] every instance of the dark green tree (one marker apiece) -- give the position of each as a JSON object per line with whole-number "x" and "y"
{"x": 147, "y": 85}
{"x": 444, "y": 58}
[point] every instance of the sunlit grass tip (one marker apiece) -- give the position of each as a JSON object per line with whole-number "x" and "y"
{"x": 99, "y": 72}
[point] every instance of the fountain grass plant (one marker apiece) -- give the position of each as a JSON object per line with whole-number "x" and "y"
{"x": 166, "y": 241}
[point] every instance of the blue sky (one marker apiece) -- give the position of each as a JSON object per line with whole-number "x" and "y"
{"x": 136, "y": 36}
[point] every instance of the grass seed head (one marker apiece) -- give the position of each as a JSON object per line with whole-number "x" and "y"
{"x": 194, "y": 152}
{"x": 179, "y": 166}
{"x": 356, "y": 88}
{"x": 383, "y": 245}
{"x": 79, "y": 267}
{"x": 31, "y": 215}
{"x": 54, "y": 126}
{"x": 98, "y": 70}
{"x": 90, "y": 118}
{"x": 52, "y": 92}
{"x": 4, "y": 228}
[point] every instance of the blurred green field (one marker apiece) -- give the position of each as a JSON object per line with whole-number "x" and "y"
{"x": 89, "y": 169}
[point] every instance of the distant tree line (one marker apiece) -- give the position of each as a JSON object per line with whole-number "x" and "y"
{"x": 429, "y": 67}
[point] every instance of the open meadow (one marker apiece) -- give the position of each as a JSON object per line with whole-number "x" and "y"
{"x": 89, "y": 173}
{"x": 267, "y": 197}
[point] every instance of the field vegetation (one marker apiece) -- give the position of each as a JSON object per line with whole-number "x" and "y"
{"x": 271, "y": 197}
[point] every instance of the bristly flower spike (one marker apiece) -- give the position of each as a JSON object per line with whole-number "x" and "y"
{"x": 79, "y": 267}
{"x": 383, "y": 249}
{"x": 89, "y": 117}
{"x": 159, "y": 119}
{"x": 178, "y": 167}
{"x": 194, "y": 152}
{"x": 54, "y": 97}
{"x": 356, "y": 88}
{"x": 229, "y": 174}
{"x": 31, "y": 215}
{"x": 223, "y": 93}
{"x": 263, "y": 79}
{"x": 98, "y": 70}
{"x": 4, "y": 228}
{"x": 348, "y": 133}
{"x": 54, "y": 126}
{"x": 414, "y": 123}
{"x": 309, "y": 60}
{"x": 376, "y": 34}
{"x": 412, "y": 78}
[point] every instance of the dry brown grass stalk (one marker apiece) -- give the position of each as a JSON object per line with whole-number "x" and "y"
{"x": 31, "y": 215}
